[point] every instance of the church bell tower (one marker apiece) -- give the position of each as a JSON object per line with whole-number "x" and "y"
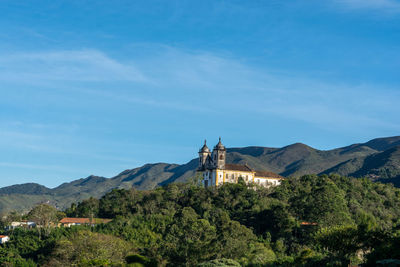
{"x": 219, "y": 155}
{"x": 204, "y": 154}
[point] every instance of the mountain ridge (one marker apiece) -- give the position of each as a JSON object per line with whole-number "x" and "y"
{"x": 378, "y": 159}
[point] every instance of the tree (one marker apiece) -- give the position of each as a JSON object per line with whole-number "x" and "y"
{"x": 10, "y": 257}
{"x": 220, "y": 263}
{"x": 88, "y": 208}
{"x": 341, "y": 241}
{"x": 44, "y": 215}
{"x": 190, "y": 239}
{"x": 6, "y": 219}
{"x": 315, "y": 199}
{"x": 84, "y": 248}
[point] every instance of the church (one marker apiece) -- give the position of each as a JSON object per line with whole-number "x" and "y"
{"x": 216, "y": 171}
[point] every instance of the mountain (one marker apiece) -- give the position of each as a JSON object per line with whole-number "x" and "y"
{"x": 384, "y": 166}
{"x": 28, "y": 188}
{"x": 382, "y": 144}
{"x": 378, "y": 159}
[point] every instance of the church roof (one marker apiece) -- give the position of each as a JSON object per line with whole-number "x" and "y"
{"x": 265, "y": 174}
{"x": 245, "y": 168}
{"x": 238, "y": 167}
{"x": 204, "y": 148}
{"x": 219, "y": 146}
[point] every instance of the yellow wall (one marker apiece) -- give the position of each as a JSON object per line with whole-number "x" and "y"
{"x": 237, "y": 174}
{"x": 251, "y": 178}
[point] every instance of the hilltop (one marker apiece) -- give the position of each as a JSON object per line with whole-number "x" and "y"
{"x": 378, "y": 159}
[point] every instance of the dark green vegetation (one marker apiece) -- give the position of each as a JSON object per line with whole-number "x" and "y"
{"x": 355, "y": 221}
{"x": 378, "y": 159}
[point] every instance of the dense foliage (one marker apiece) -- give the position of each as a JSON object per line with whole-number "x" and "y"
{"x": 307, "y": 221}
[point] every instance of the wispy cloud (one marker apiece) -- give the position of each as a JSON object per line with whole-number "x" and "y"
{"x": 263, "y": 92}
{"x": 130, "y": 98}
{"x": 333, "y": 106}
{"x": 82, "y": 65}
{"x": 200, "y": 81}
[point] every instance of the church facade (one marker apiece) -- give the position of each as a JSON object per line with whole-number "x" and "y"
{"x": 216, "y": 171}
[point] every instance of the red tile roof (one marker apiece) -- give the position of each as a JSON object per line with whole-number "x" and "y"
{"x": 245, "y": 168}
{"x": 265, "y": 174}
{"x": 238, "y": 167}
{"x": 308, "y": 223}
{"x": 2, "y": 236}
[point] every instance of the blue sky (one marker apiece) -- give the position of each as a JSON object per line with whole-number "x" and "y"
{"x": 97, "y": 87}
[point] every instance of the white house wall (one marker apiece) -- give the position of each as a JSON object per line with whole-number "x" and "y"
{"x": 218, "y": 177}
{"x": 267, "y": 182}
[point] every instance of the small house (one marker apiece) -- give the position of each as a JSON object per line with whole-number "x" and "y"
{"x": 21, "y": 224}
{"x": 4, "y": 239}
{"x": 67, "y": 222}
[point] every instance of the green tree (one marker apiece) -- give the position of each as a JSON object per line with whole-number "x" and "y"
{"x": 220, "y": 263}
{"x": 342, "y": 242}
{"x": 84, "y": 248}
{"x": 44, "y": 215}
{"x": 190, "y": 239}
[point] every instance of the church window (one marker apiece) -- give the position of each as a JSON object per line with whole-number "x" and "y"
{"x": 221, "y": 157}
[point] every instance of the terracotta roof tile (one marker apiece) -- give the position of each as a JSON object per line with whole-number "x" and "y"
{"x": 238, "y": 167}
{"x": 308, "y": 223}
{"x": 265, "y": 174}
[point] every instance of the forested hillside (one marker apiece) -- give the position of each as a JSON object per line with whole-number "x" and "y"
{"x": 307, "y": 221}
{"x": 378, "y": 159}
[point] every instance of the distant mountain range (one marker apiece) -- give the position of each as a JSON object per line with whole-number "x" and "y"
{"x": 378, "y": 159}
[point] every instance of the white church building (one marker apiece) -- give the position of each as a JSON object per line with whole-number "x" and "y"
{"x": 216, "y": 171}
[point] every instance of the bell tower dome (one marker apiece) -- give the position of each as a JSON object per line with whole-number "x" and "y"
{"x": 219, "y": 155}
{"x": 204, "y": 153}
